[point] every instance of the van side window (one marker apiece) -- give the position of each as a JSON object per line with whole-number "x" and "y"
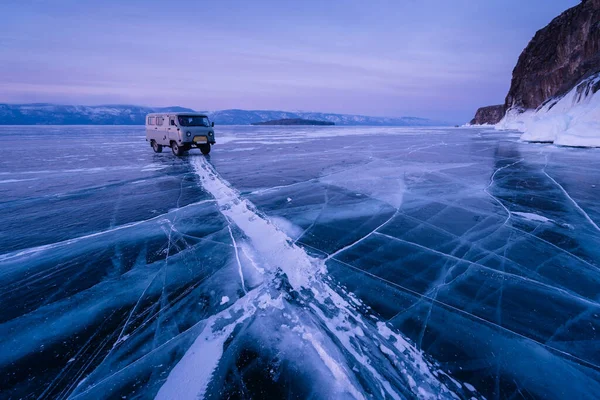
{"x": 159, "y": 121}
{"x": 151, "y": 120}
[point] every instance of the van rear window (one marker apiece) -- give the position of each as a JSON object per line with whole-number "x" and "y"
{"x": 151, "y": 120}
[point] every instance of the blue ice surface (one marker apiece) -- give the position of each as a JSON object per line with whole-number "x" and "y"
{"x": 482, "y": 251}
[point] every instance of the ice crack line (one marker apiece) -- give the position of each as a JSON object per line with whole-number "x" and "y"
{"x": 67, "y": 242}
{"x": 572, "y": 200}
{"x": 392, "y": 361}
{"x": 237, "y": 257}
{"x": 332, "y": 255}
{"x": 492, "y": 180}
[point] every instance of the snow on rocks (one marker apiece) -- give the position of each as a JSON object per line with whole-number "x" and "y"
{"x": 570, "y": 120}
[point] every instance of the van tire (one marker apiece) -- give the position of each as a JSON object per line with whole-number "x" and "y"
{"x": 177, "y": 150}
{"x": 156, "y": 147}
{"x": 204, "y": 148}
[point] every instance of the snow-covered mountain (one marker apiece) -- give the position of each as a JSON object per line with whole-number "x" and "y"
{"x": 51, "y": 114}
{"x": 569, "y": 120}
{"x": 246, "y": 117}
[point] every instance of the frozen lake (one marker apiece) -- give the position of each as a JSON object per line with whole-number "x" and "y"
{"x": 312, "y": 262}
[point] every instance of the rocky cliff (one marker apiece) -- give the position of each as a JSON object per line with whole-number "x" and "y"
{"x": 488, "y": 115}
{"x": 559, "y": 57}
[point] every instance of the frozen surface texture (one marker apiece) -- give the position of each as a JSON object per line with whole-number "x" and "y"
{"x": 298, "y": 262}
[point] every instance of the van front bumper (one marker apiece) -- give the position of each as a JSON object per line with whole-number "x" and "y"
{"x": 201, "y": 139}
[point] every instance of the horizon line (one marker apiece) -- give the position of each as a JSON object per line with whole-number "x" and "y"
{"x": 224, "y": 109}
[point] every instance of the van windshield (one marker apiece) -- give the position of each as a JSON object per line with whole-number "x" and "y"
{"x": 188, "y": 120}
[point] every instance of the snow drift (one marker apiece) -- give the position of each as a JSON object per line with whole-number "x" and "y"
{"x": 569, "y": 120}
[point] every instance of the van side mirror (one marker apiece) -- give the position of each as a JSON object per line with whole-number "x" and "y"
{"x": 212, "y": 124}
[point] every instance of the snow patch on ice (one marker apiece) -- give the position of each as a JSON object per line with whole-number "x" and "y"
{"x": 16, "y": 180}
{"x": 189, "y": 379}
{"x": 154, "y": 167}
{"x": 273, "y": 245}
{"x": 287, "y": 227}
{"x": 333, "y": 366}
{"x": 469, "y": 386}
{"x": 532, "y": 217}
{"x": 225, "y": 139}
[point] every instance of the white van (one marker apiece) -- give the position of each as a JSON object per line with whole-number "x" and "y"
{"x": 180, "y": 132}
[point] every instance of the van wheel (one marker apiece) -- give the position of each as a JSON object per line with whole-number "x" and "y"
{"x": 204, "y": 148}
{"x": 157, "y": 147}
{"x": 177, "y": 150}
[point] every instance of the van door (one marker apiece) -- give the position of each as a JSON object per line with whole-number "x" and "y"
{"x": 163, "y": 137}
{"x": 152, "y": 131}
{"x": 172, "y": 129}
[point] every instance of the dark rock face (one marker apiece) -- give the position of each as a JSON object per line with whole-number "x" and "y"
{"x": 488, "y": 115}
{"x": 558, "y": 57}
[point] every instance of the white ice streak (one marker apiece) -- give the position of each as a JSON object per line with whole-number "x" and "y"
{"x": 532, "y": 217}
{"x": 237, "y": 258}
{"x": 334, "y": 367}
{"x": 191, "y": 376}
{"x": 392, "y": 372}
{"x": 154, "y": 167}
{"x": 275, "y": 248}
{"x": 16, "y": 180}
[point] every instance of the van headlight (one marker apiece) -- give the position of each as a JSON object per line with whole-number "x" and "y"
{"x": 188, "y": 134}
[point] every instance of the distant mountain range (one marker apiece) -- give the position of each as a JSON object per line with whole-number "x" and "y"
{"x": 247, "y": 117}
{"x": 294, "y": 121}
{"x": 53, "y": 114}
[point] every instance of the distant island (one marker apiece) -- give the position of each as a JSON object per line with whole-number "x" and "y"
{"x": 294, "y": 121}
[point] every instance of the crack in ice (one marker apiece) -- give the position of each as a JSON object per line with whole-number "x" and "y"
{"x": 332, "y": 255}
{"x": 461, "y": 311}
{"x": 492, "y": 180}
{"x": 518, "y": 277}
{"x": 572, "y": 200}
{"x": 33, "y": 250}
{"x": 237, "y": 258}
{"x": 338, "y": 317}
